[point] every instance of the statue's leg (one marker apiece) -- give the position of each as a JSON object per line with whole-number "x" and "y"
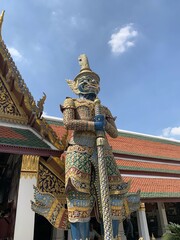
{"x": 80, "y": 231}
{"x": 115, "y": 224}
{"x": 117, "y": 190}
{"x": 78, "y": 176}
{"x": 79, "y": 215}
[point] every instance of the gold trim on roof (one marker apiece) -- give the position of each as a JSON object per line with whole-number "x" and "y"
{"x": 47, "y": 132}
{"x": 17, "y": 84}
{"x": 9, "y": 108}
{"x": 30, "y": 111}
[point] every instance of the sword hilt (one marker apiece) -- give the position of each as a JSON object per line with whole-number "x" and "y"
{"x": 100, "y": 134}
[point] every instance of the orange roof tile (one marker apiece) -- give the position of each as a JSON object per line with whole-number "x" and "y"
{"x": 133, "y": 144}
{"x": 152, "y": 147}
{"x": 147, "y": 166}
{"x": 7, "y": 132}
{"x": 154, "y": 187}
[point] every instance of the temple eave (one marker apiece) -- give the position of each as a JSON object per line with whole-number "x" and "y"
{"x": 29, "y": 151}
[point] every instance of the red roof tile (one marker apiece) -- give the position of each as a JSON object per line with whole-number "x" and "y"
{"x": 138, "y": 145}
{"x": 59, "y": 130}
{"x": 147, "y": 166}
{"x": 154, "y": 185}
{"x": 145, "y": 147}
{"x": 132, "y": 144}
{"x": 6, "y": 132}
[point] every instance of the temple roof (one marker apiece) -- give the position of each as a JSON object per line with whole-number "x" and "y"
{"x": 150, "y": 162}
{"x": 17, "y": 103}
{"x": 145, "y": 145}
{"x": 23, "y": 140}
{"x": 155, "y": 187}
{"x": 133, "y": 144}
{"x": 147, "y": 166}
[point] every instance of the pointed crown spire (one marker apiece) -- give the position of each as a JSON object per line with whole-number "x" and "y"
{"x": 85, "y": 69}
{"x": 1, "y": 22}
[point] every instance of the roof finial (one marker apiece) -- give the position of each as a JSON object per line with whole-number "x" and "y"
{"x": 1, "y": 22}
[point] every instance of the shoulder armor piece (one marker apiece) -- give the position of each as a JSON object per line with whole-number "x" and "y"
{"x": 68, "y": 103}
{"x": 108, "y": 113}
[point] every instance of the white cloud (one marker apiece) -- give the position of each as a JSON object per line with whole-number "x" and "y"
{"x": 175, "y": 131}
{"x": 16, "y": 55}
{"x": 123, "y": 39}
{"x": 171, "y": 132}
{"x": 166, "y": 132}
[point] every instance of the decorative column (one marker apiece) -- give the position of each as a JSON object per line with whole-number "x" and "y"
{"x": 24, "y": 225}
{"x": 162, "y": 217}
{"x": 142, "y": 222}
{"x": 121, "y": 231}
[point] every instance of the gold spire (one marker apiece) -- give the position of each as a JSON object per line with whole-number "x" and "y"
{"x": 85, "y": 69}
{"x": 1, "y": 22}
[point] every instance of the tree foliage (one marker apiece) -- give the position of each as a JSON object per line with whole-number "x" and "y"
{"x": 173, "y": 232}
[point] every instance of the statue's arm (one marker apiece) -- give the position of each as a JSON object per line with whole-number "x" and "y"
{"x": 69, "y": 118}
{"x": 110, "y": 127}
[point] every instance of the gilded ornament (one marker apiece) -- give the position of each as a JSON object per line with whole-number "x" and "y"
{"x": 40, "y": 106}
{"x": 7, "y": 105}
{"x": 50, "y": 183}
{"x": 142, "y": 207}
{"x": 29, "y": 167}
{"x": 1, "y": 22}
{"x": 30, "y": 163}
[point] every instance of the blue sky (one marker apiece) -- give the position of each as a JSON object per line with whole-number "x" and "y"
{"x": 132, "y": 45}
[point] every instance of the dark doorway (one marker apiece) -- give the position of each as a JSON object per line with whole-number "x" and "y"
{"x": 10, "y": 166}
{"x": 43, "y": 229}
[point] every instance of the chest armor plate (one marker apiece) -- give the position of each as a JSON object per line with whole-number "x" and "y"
{"x": 85, "y": 110}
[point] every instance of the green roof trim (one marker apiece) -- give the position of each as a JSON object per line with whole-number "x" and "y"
{"x": 30, "y": 139}
{"x": 144, "y": 155}
{"x": 160, "y": 194}
{"x": 148, "y": 138}
{"x": 147, "y": 169}
{"x": 54, "y": 122}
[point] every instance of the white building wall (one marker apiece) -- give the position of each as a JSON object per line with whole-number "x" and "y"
{"x": 24, "y": 225}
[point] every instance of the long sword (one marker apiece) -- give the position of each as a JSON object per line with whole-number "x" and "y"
{"x": 103, "y": 178}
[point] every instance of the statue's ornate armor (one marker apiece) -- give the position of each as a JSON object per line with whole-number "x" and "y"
{"x": 81, "y": 173}
{"x": 88, "y": 156}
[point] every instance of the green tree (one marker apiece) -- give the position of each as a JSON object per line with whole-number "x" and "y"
{"x": 173, "y": 232}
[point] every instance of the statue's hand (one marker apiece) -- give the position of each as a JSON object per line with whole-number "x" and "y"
{"x": 99, "y": 122}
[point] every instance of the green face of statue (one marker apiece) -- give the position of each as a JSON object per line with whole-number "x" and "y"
{"x": 88, "y": 85}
